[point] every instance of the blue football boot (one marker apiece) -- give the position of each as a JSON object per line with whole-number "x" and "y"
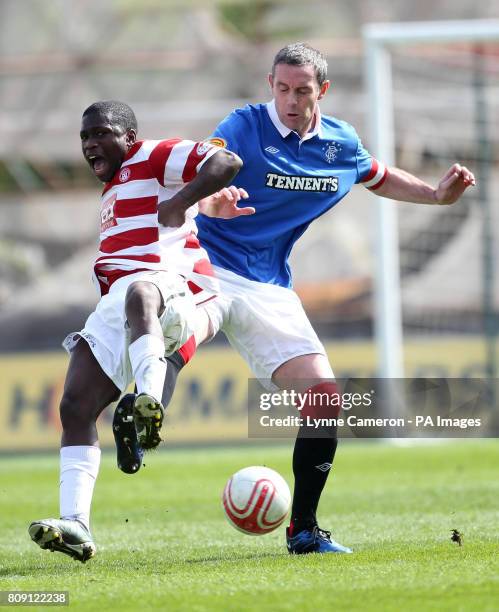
{"x": 313, "y": 540}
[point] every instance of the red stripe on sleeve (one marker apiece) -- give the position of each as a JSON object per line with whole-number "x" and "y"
{"x": 159, "y": 156}
{"x": 380, "y": 182}
{"x": 131, "y": 238}
{"x": 372, "y": 171}
{"x": 193, "y": 160}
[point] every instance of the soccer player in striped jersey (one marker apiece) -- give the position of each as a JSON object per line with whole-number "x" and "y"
{"x": 146, "y": 309}
{"x": 298, "y": 164}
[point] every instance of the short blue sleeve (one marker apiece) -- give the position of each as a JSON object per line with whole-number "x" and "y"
{"x": 364, "y": 162}
{"x": 231, "y": 131}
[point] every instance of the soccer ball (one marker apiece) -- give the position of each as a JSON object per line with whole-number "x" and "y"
{"x": 256, "y": 500}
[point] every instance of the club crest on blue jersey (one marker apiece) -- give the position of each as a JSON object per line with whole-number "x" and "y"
{"x": 331, "y": 151}
{"x": 301, "y": 183}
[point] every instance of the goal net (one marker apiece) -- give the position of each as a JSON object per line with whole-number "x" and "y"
{"x": 434, "y": 100}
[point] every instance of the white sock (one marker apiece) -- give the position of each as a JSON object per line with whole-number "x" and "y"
{"x": 79, "y": 469}
{"x": 147, "y": 356}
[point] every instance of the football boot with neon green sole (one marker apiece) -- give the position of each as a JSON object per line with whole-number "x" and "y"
{"x": 148, "y": 414}
{"x": 61, "y": 535}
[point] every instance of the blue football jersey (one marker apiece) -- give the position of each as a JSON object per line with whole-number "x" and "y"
{"x": 290, "y": 181}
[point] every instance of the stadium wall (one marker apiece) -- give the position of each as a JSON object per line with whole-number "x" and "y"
{"x": 209, "y": 405}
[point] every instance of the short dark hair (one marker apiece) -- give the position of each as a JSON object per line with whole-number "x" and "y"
{"x": 301, "y": 54}
{"x": 118, "y": 113}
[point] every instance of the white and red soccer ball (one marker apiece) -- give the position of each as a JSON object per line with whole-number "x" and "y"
{"x": 256, "y": 500}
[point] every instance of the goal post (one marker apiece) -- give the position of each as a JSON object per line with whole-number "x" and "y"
{"x": 380, "y": 41}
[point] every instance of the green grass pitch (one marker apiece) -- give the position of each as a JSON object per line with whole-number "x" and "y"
{"x": 164, "y": 544}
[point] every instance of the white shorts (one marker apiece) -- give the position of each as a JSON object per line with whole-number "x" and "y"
{"x": 107, "y": 333}
{"x": 265, "y": 323}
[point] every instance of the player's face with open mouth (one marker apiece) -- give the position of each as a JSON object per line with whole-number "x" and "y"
{"x": 104, "y": 145}
{"x": 296, "y": 92}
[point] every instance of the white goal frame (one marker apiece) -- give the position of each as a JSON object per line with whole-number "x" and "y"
{"x": 379, "y": 38}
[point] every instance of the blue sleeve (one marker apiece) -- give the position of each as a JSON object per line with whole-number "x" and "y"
{"x": 364, "y": 161}
{"x": 231, "y": 130}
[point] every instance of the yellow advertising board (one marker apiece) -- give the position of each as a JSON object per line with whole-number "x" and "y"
{"x": 209, "y": 404}
{"x": 209, "y": 401}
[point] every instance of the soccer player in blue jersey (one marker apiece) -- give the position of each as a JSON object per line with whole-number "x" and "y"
{"x": 298, "y": 164}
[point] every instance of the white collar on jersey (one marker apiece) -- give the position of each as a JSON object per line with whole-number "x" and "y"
{"x": 285, "y": 131}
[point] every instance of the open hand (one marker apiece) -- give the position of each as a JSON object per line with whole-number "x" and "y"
{"x": 223, "y": 204}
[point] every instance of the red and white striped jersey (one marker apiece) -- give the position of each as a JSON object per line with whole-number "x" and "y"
{"x": 131, "y": 238}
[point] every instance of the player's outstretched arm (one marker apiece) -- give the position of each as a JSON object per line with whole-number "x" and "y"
{"x": 219, "y": 170}
{"x": 223, "y": 204}
{"x": 403, "y": 186}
